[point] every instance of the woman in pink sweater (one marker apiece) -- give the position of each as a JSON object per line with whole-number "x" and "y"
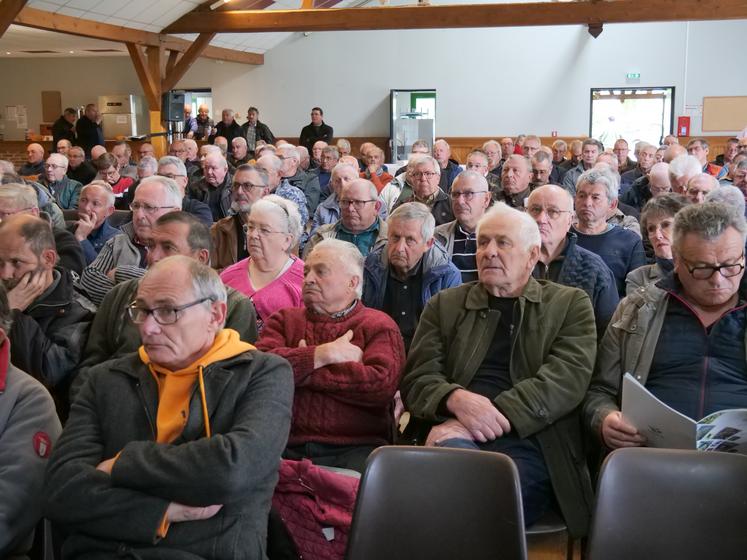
{"x": 271, "y": 277}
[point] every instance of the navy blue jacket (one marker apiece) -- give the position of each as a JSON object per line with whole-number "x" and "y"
{"x": 620, "y": 249}
{"x": 583, "y": 269}
{"x": 439, "y": 273}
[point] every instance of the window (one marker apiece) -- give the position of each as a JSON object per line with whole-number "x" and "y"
{"x": 635, "y": 114}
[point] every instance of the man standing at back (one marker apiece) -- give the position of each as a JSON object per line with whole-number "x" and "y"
{"x": 316, "y": 130}
{"x": 88, "y": 129}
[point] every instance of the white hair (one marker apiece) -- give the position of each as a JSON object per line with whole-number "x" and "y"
{"x": 684, "y": 166}
{"x": 729, "y": 195}
{"x": 528, "y": 230}
{"x": 169, "y": 186}
{"x": 285, "y": 208}
{"x": 415, "y": 211}
{"x": 602, "y": 176}
{"x": 349, "y": 256}
{"x": 106, "y": 187}
{"x": 372, "y": 192}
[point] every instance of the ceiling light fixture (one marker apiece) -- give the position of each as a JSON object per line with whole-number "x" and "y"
{"x": 218, "y": 4}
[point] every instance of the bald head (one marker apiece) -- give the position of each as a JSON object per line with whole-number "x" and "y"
{"x": 658, "y": 179}
{"x": 34, "y": 153}
{"x": 673, "y": 151}
{"x": 552, "y": 208}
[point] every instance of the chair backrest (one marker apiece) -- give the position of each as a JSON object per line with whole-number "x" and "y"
{"x": 666, "y": 503}
{"x": 439, "y": 504}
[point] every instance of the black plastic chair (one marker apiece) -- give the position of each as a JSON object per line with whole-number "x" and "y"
{"x": 666, "y": 503}
{"x": 439, "y": 504}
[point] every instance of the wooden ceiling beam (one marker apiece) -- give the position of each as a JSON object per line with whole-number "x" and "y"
{"x": 186, "y": 61}
{"x": 9, "y": 9}
{"x": 41, "y": 19}
{"x": 458, "y": 16}
{"x": 151, "y": 86}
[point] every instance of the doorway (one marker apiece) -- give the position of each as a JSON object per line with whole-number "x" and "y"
{"x": 635, "y": 114}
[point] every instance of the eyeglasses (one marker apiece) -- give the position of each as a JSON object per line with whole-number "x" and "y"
{"x": 52, "y": 166}
{"x": 147, "y": 208}
{"x": 112, "y": 173}
{"x": 704, "y": 272}
{"x": 425, "y": 174}
{"x": 467, "y": 195}
{"x": 357, "y": 204}
{"x": 246, "y": 187}
{"x": 261, "y": 231}
{"x": 170, "y": 175}
{"x": 166, "y": 315}
{"x": 554, "y": 213}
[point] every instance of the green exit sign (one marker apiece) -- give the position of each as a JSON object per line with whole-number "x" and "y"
{"x": 633, "y": 75}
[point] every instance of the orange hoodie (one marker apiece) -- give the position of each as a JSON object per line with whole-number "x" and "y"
{"x": 175, "y": 390}
{"x": 175, "y": 387}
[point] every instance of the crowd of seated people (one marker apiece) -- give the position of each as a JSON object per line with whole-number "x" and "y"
{"x": 172, "y": 328}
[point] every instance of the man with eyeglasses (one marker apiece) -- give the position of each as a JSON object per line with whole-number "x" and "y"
{"x": 175, "y": 233}
{"x": 682, "y": 337}
{"x": 92, "y": 229}
{"x": 190, "y": 428}
{"x": 146, "y": 149}
{"x": 699, "y": 186}
{"x": 229, "y": 241}
{"x": 65, "y": 190}
{"x": 291, "y": 172}
{"x": 424, "y": 177}
{"x": 79, "y": 169}
{"x": 123, "y": 256}
{"x": 359, "y": 221}
{"x": 479, "y": 161}
{"x": 562, "y": 260}
{"x": 173, "y": 168}
{"x": 50, "y": 317}
{"x": 470, "y": 198}
{"x": 327, "y": 161}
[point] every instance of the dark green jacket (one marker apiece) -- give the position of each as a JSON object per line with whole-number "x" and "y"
{"x": 552, "y": 359}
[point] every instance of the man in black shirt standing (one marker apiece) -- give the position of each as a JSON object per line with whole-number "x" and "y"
{"x": 88, "y": 129}
{"x": 315, "y": 131}
{"x": 64, "y": 127}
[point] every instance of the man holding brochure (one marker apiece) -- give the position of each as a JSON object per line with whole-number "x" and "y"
{"x": 683, "y": 337}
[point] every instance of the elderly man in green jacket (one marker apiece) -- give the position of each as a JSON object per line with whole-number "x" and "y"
{"x": 502, "y": 364}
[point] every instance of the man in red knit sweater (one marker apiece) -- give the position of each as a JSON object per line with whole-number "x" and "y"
{"x": 346, "y": 359}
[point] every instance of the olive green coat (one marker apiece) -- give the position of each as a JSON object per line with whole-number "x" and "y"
{"x": 552, "y": 359}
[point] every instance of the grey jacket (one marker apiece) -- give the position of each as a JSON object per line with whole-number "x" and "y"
{"x": 118, "y": 252}
{"x": 444, "y": 234}
{"x": 642, "y": 276}
{"x": 26, "y": 412}
{"x": 249, "y": 401}
{"x": 628, "y": 346}
{"x": 113, "y": 334}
